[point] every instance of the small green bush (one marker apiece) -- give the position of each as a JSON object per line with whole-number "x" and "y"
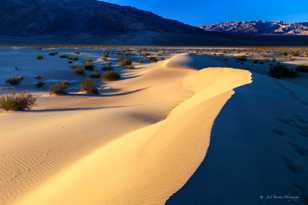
{"x": 15, "y": 80}
{"x": 17, "y": 102}
{"x": 59, "y": 88}
{"x": 39, "y": 57}
{"x": 281, "y": 71}
{"x": 111, "y": 76}
{"x": 88, "y": 86}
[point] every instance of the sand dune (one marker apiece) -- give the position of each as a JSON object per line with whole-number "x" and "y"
{"x": 140, "y": 152}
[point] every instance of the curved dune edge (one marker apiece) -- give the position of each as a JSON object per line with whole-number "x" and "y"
{"x": 148, "y": 165}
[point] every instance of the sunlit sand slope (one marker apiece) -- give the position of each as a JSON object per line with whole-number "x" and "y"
{"x": 148, "y": 165}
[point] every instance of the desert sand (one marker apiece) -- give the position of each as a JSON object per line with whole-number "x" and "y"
{"x": 136, "y": 146}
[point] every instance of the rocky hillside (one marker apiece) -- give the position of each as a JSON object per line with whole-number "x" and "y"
{"x": 97, "y": 22}
{"x": 84, "y": 19}
{"x": 260, "y": 28}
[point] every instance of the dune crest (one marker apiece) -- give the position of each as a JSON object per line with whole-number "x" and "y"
{"x": 148, "y": 165}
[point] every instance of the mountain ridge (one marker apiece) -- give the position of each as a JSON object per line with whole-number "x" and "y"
{"x": 83, "y": 16}
{"x": 27, "y": 22}
{"x": 259, "y": 28}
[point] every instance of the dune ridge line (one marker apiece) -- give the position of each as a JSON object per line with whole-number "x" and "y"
{"x": 148, "y": 165}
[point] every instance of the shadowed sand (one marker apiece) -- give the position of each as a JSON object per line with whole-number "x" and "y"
{"x": 140, "y": 151}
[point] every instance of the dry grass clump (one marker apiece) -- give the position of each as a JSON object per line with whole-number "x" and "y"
{"x": 111, "y": 76}
{"x": 59, "y": 88}
{"x": 15, "y": 80}
{"x": 125, "y": 62}
{"x": 17, "y": 102}
{"x": 88, "y": 86}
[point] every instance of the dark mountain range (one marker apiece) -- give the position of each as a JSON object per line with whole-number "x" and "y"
{"x": 31, "y": 17}
{"x": 260, "y": 28}
{"x": 98, "y": 22}
{"x": 48, "y": 20}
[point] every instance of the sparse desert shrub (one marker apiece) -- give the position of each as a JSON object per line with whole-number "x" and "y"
{"x": 39, "y": 84}
{"x": 146, "y": 54}
{"x": 153, "y": 59}
{"x": 39, "y": 77}
{"x": 74, "y": 66}
{"x": 241, "y": 58}
{"x": 89, "y": 65}
{"x": 125, "y": 62}
{"x": 302, "y": 68}
{"x": 17, "y": 102}
{"x": 59, "y": 88}
{"x": 53, "y": 53}
{"x": 15, "y": 80}
{"x": 296, "y": 53}
{"x": 73, "y": 58}
{"x": 70, "y": 56}
{"x": 258, "y": 62}
{"x": 281, "y": 71}
{"x": 111, "y": 76}
{"x": 130, "y": 67}
{"x": 105, "y": 56}
{"x": 88, "y": 86}
{"x": 63, "y": 56}
{"x": 78, "y": 69}
{"x": 95, "y": 74}
{"x": 40, "y": 57}
{"x": 107, "y": 67}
